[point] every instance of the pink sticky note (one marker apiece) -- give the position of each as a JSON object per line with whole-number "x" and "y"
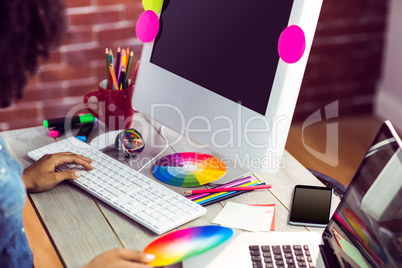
{"x": 147, "y": 26}
{"x": 292, "y": 44}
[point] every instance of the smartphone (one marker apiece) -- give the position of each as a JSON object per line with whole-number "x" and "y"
{"x": 311, "y": 206}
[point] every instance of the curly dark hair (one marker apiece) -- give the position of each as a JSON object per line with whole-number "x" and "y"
{"x": 29, "y": 29}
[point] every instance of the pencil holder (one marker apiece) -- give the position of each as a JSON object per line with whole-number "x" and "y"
{"x": 113, "y": 107}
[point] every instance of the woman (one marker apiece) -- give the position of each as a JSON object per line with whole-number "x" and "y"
{"x": 30, "y": 28}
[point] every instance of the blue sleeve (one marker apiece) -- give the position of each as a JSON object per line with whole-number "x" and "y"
{"x": 14, "y": 247}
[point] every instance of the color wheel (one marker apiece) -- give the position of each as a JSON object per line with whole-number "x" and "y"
{"x": 188, "y": 169}
{"x": 183, "y": 244}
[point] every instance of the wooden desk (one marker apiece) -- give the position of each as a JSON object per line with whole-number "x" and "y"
{"x": 82, "y": 227}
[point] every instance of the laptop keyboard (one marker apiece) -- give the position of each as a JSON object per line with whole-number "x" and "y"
{"x": 278, "y": 256}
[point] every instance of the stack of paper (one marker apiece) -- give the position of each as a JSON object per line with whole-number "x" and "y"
{"x": 254, "y": 218}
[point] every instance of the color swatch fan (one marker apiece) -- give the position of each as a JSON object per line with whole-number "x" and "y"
{"x": 183, "y": 244}
{"x": 188, "y": 169}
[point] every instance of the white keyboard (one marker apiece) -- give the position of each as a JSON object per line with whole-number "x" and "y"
{"x": 149, "y": 203}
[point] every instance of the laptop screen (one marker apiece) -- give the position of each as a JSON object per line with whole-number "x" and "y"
{"x": 366, "y": 229}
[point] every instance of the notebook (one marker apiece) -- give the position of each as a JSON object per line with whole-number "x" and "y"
{"x": 364, "y": 231}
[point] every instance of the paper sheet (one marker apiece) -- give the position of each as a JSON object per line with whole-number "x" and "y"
{"x": 350, "y": 249}
{"x": 246, "y": 217}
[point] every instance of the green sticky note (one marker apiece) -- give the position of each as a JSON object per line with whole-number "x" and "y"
{"x": 351, "y": 250}
{"x": 154, "y": 5}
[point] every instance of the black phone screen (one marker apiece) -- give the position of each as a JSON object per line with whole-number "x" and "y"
{"x": 311, "y": 205}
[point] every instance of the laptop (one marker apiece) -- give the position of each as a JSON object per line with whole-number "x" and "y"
{"x": 364, "y": 231}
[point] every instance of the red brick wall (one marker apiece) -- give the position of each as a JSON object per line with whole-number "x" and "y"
{"x": 345, "y": 59}
{"x": 78, "y": 65}
{"x": 344, "y": 63}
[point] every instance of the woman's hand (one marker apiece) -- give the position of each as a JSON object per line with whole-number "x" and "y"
{"x": 41, "y": 175}
{"x": 121, "y": 258}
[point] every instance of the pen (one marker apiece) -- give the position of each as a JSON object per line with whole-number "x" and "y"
{"x": 75, "y": 120}
{"x": 84, "y": 132}
{"x": 217, "y": 190}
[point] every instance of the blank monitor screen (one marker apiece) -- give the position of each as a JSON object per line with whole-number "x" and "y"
{"x": 232, "y": 53}
{"x": 214, "y": 75}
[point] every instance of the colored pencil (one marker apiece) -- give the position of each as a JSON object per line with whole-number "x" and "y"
{"x": 227, "y": 195}
{"x": 128, "y": 54}
{"x": 117, "y": 66}
{"x": 216, "y": 195}
{"x": 111, "y": 62}
{"x": 113, "y": 77}
{"x": 229, "y": 184}
{"x": 130, "y": 58}
{"x": 134, "y": 74}
{"x": 229, "y": 189}
{"x": 107, "y": 65}
{"x": 223, "y": 198}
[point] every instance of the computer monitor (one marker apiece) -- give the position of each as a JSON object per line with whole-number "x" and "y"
{"x": 226, "y": 74}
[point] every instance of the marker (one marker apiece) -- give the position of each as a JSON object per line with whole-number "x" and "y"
{"x": 57, "y": 131}
{"x": 229, "y": 189}
{"x": 84, "y": 132}
{"x": 75, "y": 120}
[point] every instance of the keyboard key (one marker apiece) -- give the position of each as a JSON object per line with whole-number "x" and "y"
{"x": 279, "y": 263}
{"x": 130, "y": 188}
{"x": 268, "y": 260}
{"x": 266, "y": 254}
{"x": 299, "y": 252}
{"x": 265, "y": 248}
{"x": 300, "y": 258}
{"x": 254, "y": 253}
{"x": 290, "y": 261}
{"x": 287, "y": 249}
{"x": 276, "y": 249}
{"x": 288, "y": 256}
{"x": 257, "y": 265}
{"x": 256, "y": 258}
{"x": 116, "y": 192}
{"x": 302, "y": 264}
